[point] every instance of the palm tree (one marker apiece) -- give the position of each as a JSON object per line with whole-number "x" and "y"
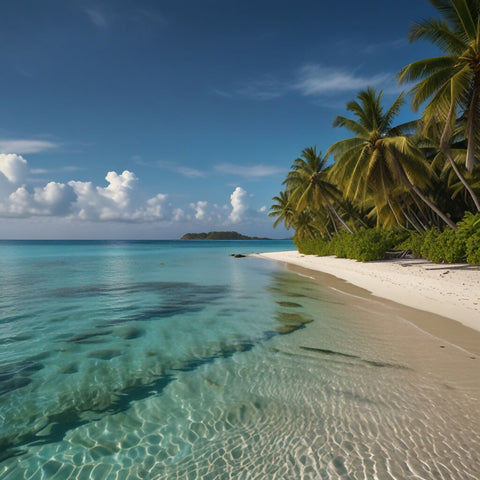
{"x": 283, "y": 210}
{"x": 307, "y": 225}
{"x": 307, "y": 186}
{"x": 379, "y": 157}
{"x": 447, "y": 161}
{"x": 450, "y": 84}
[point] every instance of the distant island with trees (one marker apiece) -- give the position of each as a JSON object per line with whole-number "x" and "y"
{"x": 219, "y": 236}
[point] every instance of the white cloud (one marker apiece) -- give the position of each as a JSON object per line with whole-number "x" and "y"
{"x": 118, "y": 201}
{"x": 115, "y": 202}
{"x": 156, "y": 207}
{"x": 319, "y": 80}
{"x": 240, "y": 205}
{"x": 178, "y": 215}
{"x": 253, "y": 171}
{"x": 42, "y": 171}
{"x": 55, "y": 199}
{"x": 26, "y": 146}
{"x": 189, "y": 172}
{"x": 311, "y": 80}
{"x": 200, "y": 210}
{"x": 13, "y": 168}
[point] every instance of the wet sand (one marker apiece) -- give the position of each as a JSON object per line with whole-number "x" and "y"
{"x": 442, "y": 300}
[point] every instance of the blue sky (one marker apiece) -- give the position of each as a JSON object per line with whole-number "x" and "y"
{"x": 150, "y": 119}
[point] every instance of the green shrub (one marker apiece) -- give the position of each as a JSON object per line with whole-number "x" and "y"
{"x": 371, "y": 244}
{"x": 468, "y": 226}
{"x": 446, "y": 246}
{"x": 365, "y": 245}
{"x": 452, "y": 246}
{"x": 473, "y": 249}
{"x": 341, "y": 244}
{"x": 313, "y": 246}
{"x": 469, "y": 234}
{"x": 414, "y": 243}
{"x": 430, "y": 248}
{"x": 397, "y": 236}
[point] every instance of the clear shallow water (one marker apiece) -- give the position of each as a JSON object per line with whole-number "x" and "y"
{"x": 125, "y": 360}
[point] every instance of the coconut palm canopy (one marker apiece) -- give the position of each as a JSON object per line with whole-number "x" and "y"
{"x": 415, "y": 175}
{"x": 450, "y": 84}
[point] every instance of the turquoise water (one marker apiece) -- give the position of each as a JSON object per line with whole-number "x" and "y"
{"x": 148, "y": 360}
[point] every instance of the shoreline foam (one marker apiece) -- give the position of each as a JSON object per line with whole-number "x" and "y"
{"x": 448, "y": 290}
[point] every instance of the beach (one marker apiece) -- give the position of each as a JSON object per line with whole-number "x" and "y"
{"x": 448, "y": 290}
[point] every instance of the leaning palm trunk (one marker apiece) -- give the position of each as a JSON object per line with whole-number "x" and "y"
{"x": 421, "y": 216}
{"x": 417, "y": 226}
{"x": 455, "y": 168}
{"x": 334, "y": 211}
{"x": 428, "y": 202}
{"x": 395, "y": 216}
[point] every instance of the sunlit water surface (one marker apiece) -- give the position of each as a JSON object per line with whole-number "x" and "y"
{"x": 149, "y": 360}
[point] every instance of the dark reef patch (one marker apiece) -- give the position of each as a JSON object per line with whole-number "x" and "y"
{"x": 88, "y": 336}
{"x": 106, "y": 354}
{"x": 17, "y": 374}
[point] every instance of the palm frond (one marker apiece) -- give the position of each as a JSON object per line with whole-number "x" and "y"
{"x": 352, "y": 125}
{"x": 439, "y": 33}
{"x": 391, "y": 113}
{"x": 423, "y": 68}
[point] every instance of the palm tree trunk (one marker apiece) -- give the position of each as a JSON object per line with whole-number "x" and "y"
{"x": 332, "y": 219}
{"x": 394, "y": 213}
{"x": 425, "y": 199}
{"x": 416, "y": 216}
{"x": 414, "y": 224}
{"x": 332, "y": 209}
{"x": 462, "y": 178}
{"x": 428, "y": 202}
{"x": 420, "y": 216}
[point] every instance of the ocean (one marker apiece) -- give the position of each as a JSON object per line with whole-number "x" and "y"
{"x": 174, "y": 359}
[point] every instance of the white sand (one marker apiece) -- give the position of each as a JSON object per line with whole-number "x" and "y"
{"x": 451, "y": 290}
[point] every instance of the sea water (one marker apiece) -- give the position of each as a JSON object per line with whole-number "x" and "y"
{"x": 150, "y": 360}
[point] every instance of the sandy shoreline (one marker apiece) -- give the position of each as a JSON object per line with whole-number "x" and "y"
{"x": 452, "y": 290}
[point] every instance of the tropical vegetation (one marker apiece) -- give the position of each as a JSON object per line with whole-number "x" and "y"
{"x": 410, "y": 187}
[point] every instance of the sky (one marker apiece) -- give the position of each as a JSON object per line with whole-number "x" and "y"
{"x": 148, "y": 119}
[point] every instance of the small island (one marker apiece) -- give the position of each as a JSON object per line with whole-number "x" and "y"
{"x": 219, "y": 236}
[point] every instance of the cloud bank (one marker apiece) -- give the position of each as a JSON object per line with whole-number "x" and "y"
{"x": 120, "y": 200}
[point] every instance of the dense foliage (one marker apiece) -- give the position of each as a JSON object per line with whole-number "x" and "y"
{"x": 219, "y": 236}
{"x": 414, "y": 186}
{"x": 450, "y": 246}
{"x": 364, "y": 245}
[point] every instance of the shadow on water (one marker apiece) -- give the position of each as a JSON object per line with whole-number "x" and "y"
{"x": 168, "y": 289}
{"x": 17, "y": 374}
{"x": 59, "y": 423}
{"x": 372, "y": 363}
